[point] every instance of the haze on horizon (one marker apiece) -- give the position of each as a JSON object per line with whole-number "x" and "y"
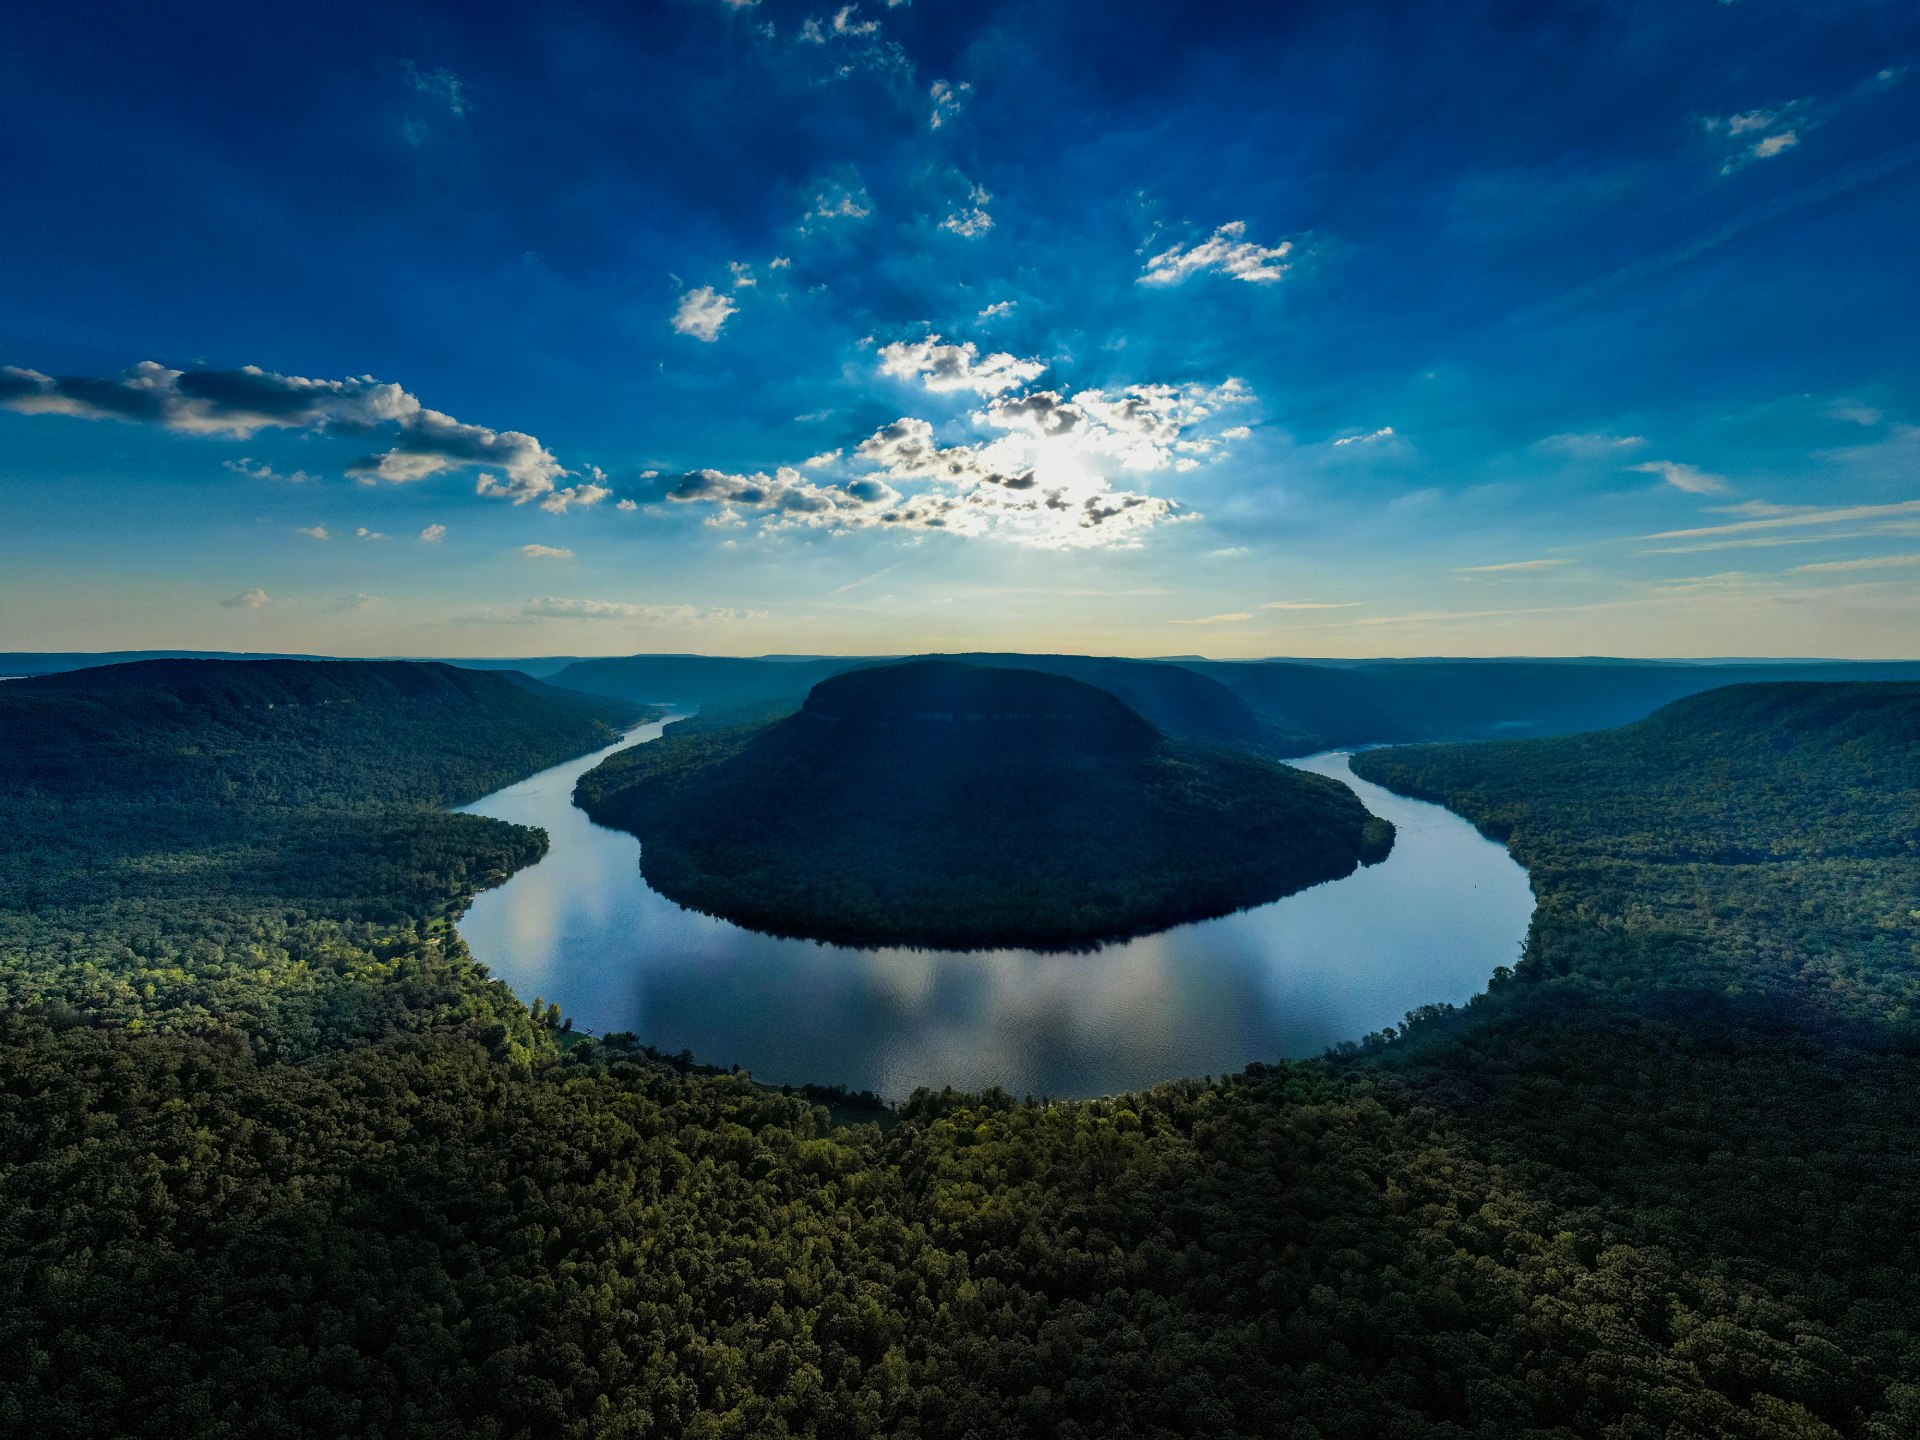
{"x": 748, "y": 326}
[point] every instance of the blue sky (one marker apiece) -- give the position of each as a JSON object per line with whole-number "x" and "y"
{"x": 1106, "y": 327}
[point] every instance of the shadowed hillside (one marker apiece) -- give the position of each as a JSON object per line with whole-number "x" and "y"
{"x": 939, "y": 803}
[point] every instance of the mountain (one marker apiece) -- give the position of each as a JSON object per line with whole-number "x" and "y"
{"x": 1277, "y": 707}
{"x": 956, "y": 805}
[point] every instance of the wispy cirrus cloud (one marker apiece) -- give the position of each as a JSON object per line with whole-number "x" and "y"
{"x": 1690, "y": 478}
{"x": 546, "y": 552}
{"x": 549, "y": 608}
{"x": 1760, "y": 515}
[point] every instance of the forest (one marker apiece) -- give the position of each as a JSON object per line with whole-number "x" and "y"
{"x": 964, "y": 806}
{"x": 277, "y": 1159}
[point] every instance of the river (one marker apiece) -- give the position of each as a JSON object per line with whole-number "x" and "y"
{"x": 1288, "y": 979}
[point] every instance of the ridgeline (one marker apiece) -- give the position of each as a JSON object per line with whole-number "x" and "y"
{"x": 961, "y": 806}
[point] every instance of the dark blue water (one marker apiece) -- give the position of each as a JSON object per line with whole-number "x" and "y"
{"x": 1288, "y": 979}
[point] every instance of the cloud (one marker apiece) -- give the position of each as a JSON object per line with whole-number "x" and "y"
{"x": 847, "y": 21}
{"x": 240, "y": 403}
{"x": 314, "y": 532}
{"x": 943, "y": 368}
{"x": 972, "y": 220}
{"x": 1587, "y": 443}
{"x": 1235, "y": 617}
{"x": 1774, "y": 517}
{"x": 1870, "y": 562}
{"x": 245, "y": 466}
{"x": 363, "y": 533}
{"x": 443, "y": 87}
{"x": 1854, "y": 413}
{"x": 702, "y": 312}
{"x": 841, "y": 202}
{"x": 999, "y": 307}
{"x": 1310, "y": 605}
{"x": 626, "y": 505}
{"x": 358, "y": 603}
{"x": 822, "y": 460}
{"x": 433, "y": 534}
{"x": 247, "y": 600}
{"x": 1777, "y": 132}
{"x": 1689, "y": 478}
{"x": 948, "y": 101}
{"x": 550, "y": 607}
{"x": 743, "y": 277}
{"x": 1385, "y": 432}
{"x": 1510, "y": 565}
{"x": 546, "y": 552}
{"x": 1226, "y": 251}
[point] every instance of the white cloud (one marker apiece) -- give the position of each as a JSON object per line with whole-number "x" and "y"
{"x": 363, "y": 533}
{"x": 245, "y": 466}
{"x": 1228, "y": 252}
{"x": 1869, "y": 562}
{"x": 1510, "y": 565}
{"x": 551, "y": 607}
{"x": 626, "y": 505}
{"x": 743, "y": 278}
{"x": 1779, "y": 130}
{"x": 847, "y": 21}
{"x": 948, "y": 101}
{"x": 357, "y": 603}
{"x": 1238, "y": 432}
{"x": 1764, "y": 516}
{"x": 240, "y": 403}
{"x": 546, "y": 552}
{"x": 1689, "y": 478}
{"x": 1854, "y": 413}
{"x": 1236, "y": 617}
{"x": 441, "y": 86}
{"x": 247, "y": 600}
{"x": 1385, "y": 432}
{"x": 1589, "y": 443}
{"x": 1310, "y": 605}
{"x": 841, "y": 202}
{"x": 972, "y": 220}
{"x": 999, "y": 307}
{"x": 943, "y": 368}
{"x": 314, "y": 532}
{"x": 702, "y": 312}
{"x": 433, "y": 534}
{"x": 820, "y": 461}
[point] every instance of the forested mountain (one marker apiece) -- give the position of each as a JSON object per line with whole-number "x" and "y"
{"x": 959, "y": 805}
{"x": 175, "y": 828}
{"x": 1660, "y": 1182}
{"x": 1280, "y": 707}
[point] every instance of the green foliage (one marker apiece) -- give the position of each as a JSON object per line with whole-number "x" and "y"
{"x": 193, "y": 841}
{"x": 1585, "y": 1206}
{"x": 958, "y": 805}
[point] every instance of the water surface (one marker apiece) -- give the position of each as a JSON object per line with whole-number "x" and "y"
{"x": 1285, "y": 980}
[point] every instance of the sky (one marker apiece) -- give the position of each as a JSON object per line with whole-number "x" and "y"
{"x": 1095, "y": 326}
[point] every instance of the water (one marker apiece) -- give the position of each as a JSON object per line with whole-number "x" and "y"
{"x": 1285, "y": 980}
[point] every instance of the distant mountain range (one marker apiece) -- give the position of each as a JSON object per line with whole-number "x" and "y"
{"x": 1278, "y": 707}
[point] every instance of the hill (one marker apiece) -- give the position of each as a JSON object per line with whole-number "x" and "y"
{"x": 1277, "y": 707}
{"x": 157, "y": 794}
{"x": 271, "y": 1167}
{"x": 954, "y": 805}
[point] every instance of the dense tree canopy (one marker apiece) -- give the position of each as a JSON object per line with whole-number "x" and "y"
{"x": 944, "y": 804}
{"x": 1661, "y": 1182}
